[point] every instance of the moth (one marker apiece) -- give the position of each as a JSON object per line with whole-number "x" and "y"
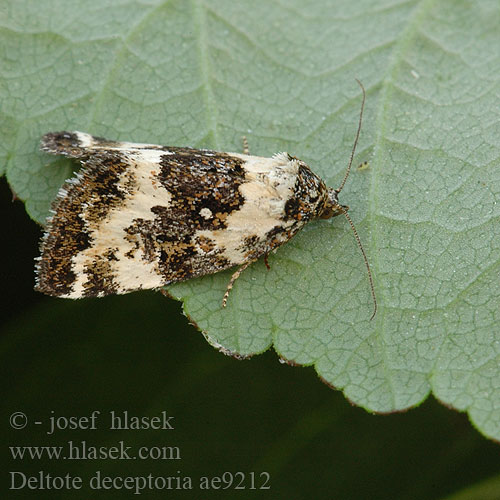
{"x": 141, "y": 216}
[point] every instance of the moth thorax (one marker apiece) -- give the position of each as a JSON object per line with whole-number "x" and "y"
{"x": 332, "y": 207}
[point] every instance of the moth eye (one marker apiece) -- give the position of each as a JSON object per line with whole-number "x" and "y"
{"x": 326, "y": 213}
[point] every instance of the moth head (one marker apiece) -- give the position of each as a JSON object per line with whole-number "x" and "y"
{"x": 332, "y": 207}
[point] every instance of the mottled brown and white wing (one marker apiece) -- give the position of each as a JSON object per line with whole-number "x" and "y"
{"x": 140, "y": 216}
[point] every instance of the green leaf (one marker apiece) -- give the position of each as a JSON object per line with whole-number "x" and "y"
{"x": 486, "y": 490}
{"x": 427, "y": 209}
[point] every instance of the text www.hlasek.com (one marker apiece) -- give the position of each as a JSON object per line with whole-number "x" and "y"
{"x": 81, "y": 450}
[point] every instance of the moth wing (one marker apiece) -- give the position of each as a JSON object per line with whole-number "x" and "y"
{"x": 142, "y": 216}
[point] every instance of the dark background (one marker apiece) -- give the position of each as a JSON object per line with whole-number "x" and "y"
{"x": 138, "y": 353}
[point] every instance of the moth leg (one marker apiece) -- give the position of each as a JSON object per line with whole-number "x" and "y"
{"x": 246, "y": 150}
{"x": 266, "y": 262}
{"x": 234, "y": 277}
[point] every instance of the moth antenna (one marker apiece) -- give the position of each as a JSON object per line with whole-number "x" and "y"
{"x": 370, "y": 277}
{"x": 356, "y": 139}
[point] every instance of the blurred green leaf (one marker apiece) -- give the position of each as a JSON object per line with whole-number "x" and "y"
{"x": 485, "y": 490}
{"x": 205, "y": 73}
